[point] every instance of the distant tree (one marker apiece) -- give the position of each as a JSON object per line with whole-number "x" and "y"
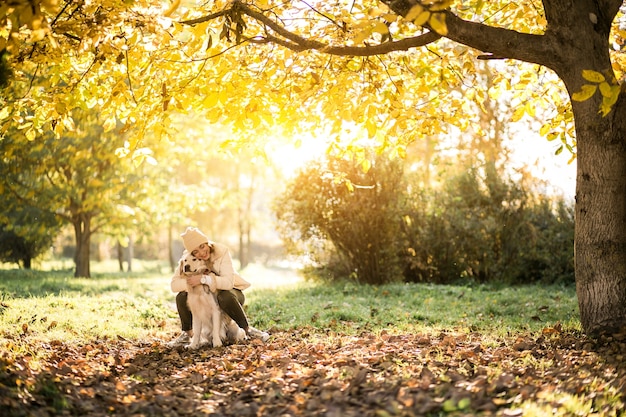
{"x": 77, "y": 178}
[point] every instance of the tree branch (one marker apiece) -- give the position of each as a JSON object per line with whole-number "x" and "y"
{"x": 298, "y": 43}
{"x": 383, "y": 48}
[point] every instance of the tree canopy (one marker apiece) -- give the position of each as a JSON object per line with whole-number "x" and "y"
{"x": 141, "y": 63}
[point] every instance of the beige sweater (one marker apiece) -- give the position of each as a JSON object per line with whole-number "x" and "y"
{"x": 222, "y": 271}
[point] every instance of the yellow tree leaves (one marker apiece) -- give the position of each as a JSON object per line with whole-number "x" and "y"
{"x": 25, "y": 17}
{"x": 428, "y": 13}
{"x": 608, "y": 90}
{"x": 145, "y": 62}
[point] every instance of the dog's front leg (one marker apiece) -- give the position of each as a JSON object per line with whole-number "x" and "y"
{"x": 216, "y": 317}
{"x": 197, "y": 333}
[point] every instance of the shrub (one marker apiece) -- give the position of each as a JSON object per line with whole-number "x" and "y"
{"x": 25, "y": 233}
{"x": 376, "y": 227}
{"x": 345, "y": 219}
{"x": 486, "y": 228}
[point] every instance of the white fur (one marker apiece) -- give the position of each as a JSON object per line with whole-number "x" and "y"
{"x": 208, "y": 319}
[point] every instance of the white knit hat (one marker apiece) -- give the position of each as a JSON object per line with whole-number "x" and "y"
{"x": 192, "y": 238}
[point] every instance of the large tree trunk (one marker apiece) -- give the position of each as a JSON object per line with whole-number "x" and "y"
{"x": 601, "y": 221}
{"x": 600, "y": 239}
{"x": 82, "y": 233}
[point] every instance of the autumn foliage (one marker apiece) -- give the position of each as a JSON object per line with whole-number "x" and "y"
{"x": 318, "y": 372}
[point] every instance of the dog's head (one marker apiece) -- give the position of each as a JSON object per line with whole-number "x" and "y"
{"x": 192, "y": 265}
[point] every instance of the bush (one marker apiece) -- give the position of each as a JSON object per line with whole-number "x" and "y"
{"x": 345, "y": 219}
{"x": 479, "y": 226}
{"x": 25, "y": 233}
{"x": 486, "y": 228}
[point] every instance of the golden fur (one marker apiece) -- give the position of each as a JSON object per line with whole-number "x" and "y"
{"x": 208, "y": 318}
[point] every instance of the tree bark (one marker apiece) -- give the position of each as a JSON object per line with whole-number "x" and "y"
{"x": 82, "y": 233}
{"x": 600, "y": 240}
{"x": 582, "y": 35}
{"x": 120, "y": 256}
{"x": 131, "y": 254}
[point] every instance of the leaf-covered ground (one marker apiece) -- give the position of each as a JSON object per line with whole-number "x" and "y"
{"x": 309, "y": 372}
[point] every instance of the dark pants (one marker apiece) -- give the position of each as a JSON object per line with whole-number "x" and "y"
{"x": 230, "y": 301}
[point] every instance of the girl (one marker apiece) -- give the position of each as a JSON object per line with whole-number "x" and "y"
{"x": 222, "y": 280}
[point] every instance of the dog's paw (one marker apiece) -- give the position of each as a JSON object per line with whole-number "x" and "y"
{"x": 217, "y": 343}
{"x": 241, "y": 335}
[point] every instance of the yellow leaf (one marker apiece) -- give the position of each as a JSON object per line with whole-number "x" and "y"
{"x": 544, "y": 129}
{"x": 211, "y": 99}
{"x": 438, "y": 23}
{"x": 201, "y": 29}
{"x": 586, "y": 92}
{"x": 371, "y": 128}
{"x": 138, "y": 160}
{"x": 390, "y": 17}
{"x": 605, "y": 89}
{"x": 60, "y": 108}
{"x": 122, "y": 152}
{"x": 172, "y": 8}
{"x": 31, "y": 134}
{"x": 607, "y": 103}
{"x": 593, "y": 76}
{"x": 422, "y": 18}
{"x": 518, "y": 114}
{"x": 381, "y": 28}
{"x": 414, "y": 12}
{"x": 442, "y": 5}
{"x": 109, "y": 124}
{"x": 362, "y": 35}
{"x": 530, "y": 109}
{"x": 37, "y": 35}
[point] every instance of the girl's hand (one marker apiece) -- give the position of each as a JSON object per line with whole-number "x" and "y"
{"x": 194, "y": 280}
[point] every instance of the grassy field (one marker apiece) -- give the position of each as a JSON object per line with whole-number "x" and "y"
{"x": 96, "y": 347}
{"x": 49, "y": 305}
{"x": 41, "y": 306}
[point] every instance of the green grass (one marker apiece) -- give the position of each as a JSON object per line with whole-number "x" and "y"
{"x": 417, "y": 308}
{"x": 44, "y": 306}
{"x": 53, "y": 305}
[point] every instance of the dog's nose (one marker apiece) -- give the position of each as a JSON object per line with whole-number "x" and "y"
{"x": 187, "y": 268}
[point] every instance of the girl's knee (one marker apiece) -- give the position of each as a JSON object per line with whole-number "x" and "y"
{"x": 224, "y": 297}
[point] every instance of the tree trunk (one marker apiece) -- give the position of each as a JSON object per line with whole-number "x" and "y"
{"x": 600, "y": 240}
{"x": 120, "y": 256}
{"x": 82, "y": 234}
{"x": 170, "y": 248}
{"x": 131, "y": 254}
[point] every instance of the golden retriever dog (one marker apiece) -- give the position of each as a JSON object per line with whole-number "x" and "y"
{"x": 208, "y": 318}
